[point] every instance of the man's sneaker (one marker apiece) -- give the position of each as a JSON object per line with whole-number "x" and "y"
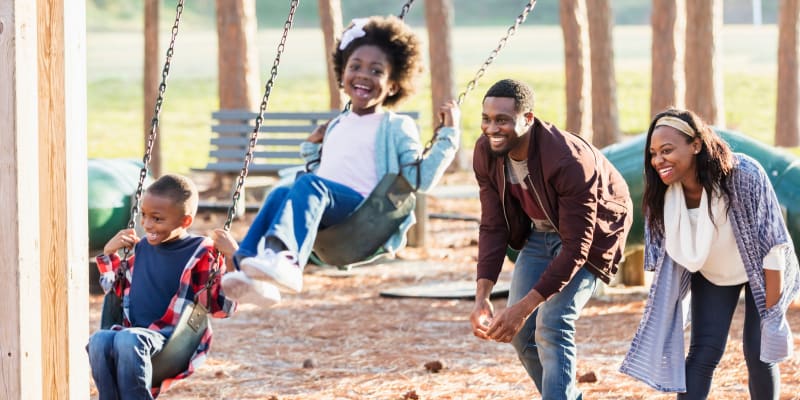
{"x": 239, "y": 287}
{"x": 282, "y": 269}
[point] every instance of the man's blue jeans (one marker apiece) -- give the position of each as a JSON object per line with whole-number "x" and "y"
{"x": 293, "y": 214}
{"x": 546, "y": 343}
{"x": 712, "y": 311}
{"x": 120, "y": 362}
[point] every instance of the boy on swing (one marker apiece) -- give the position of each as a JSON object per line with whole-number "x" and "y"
{"x": 169, "y": 268}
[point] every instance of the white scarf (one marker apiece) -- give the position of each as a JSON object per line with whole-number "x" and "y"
{"x": 690, "y": 247}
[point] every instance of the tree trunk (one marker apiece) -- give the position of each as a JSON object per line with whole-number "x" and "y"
{"x": 577, "y": 59}
{"x": 787, "y": 125}
{"x": 605, "y": 118}
{"x": 238, "y": 78}
{"x": 703, "y": 78}
{"x": 330, "y": 18}
{"x": 439, "y": 21}
{"x": 669, "y": 26}
{"x": 152, "y": 78}
{"x": 238, "y": 55}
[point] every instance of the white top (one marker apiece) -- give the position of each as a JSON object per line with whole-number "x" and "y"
{"x": 348, "y": 156}
{"x": 699, "y": 244}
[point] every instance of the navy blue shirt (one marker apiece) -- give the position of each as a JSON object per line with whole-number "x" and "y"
{"x": 156, "y": 277}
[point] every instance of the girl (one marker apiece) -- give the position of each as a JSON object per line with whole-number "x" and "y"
{"x": 713, "y": 225}
{"x": 376, "y": 63}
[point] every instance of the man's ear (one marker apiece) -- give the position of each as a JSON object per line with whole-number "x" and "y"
{"x": 528, "y": 118}
{"x": 186, "y": 221}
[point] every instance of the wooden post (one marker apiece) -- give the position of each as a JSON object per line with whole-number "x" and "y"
{"x": 152, "y": 78}
{"x": 605, "y": 118}
{"x": 703, "y": 77}
{"x": 20, "y": 304}
{"x": 669, "y": 25}
{"x": 330, "y": 18}
{"x": 439, "y": 20}
{"x": 787, "y": 125}
{"x": 577, "y": 62}
{"x": 63, "y": 199}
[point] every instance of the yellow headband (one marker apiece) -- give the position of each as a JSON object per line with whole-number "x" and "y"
{"x": 677, "y": 123}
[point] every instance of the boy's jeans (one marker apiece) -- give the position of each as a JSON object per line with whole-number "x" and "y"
{"x": 293, "y": 215}
{"x": 546, "y": 343}
{"x": 120, "y": 362}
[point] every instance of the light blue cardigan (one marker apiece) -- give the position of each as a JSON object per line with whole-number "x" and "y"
{"x": 397, "y": 144}
{"x": 656, "y": 356}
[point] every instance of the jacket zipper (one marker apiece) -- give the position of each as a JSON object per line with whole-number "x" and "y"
{"x": 503, "y": 198}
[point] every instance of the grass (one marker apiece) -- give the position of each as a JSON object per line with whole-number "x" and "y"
{"x": 535, "y": 55}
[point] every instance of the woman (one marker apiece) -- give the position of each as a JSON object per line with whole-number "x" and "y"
{"x": 713, "y": 226}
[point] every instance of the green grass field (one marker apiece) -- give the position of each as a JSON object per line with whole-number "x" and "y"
{"x": 534, "y": 55}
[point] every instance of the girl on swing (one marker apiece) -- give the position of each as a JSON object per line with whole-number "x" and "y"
{"x": 376, "y": 62}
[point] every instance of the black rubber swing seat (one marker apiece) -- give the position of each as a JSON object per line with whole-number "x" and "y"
{"x": 361, "y": 236}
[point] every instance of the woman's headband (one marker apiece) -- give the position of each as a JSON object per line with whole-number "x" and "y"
{"x": 354, "y": 32}
{"x": 677, "y": 123}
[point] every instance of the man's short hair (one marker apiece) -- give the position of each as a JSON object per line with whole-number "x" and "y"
{"x": 511, "y": 88}
{"x": 179, "y": 189}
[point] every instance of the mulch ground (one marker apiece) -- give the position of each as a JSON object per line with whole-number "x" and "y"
{"x": 340, "y": 339}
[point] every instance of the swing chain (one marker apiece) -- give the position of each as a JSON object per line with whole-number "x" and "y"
{"x": 511, "y": 30}
{"x": 405, "y": 9}
{"x": 237, "y": 193}
{"x": 151, "y": 137}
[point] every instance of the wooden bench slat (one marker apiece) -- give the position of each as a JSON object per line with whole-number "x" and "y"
{"x": 237, "y": 166}
{"x": 239, "y": 153}
{"x": 244, "y": 142}
{"x": 243, "y": 128}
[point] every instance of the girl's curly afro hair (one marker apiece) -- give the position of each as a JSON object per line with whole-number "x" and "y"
{"x": 401, "y": 46}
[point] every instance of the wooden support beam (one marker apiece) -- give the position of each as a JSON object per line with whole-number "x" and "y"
{"x": 20, "y": 305}
{"x": 151, "y": 79}
{"x": 63, "y": 198}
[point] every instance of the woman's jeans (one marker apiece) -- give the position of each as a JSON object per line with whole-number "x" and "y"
{"x": 120, "y": 362}
{"x": 712, "y": 312}
{"x": 546, "y": 343}
{"x": 293, "y": 214}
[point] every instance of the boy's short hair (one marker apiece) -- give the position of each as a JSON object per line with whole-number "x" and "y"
{"x": 400, "y": 44}
{"x": 517, "y": 90}
{"x": 178, "y": 188}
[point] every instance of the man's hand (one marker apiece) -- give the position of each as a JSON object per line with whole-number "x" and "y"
{"x": 508, "y": 323}
{"x": 481, "y": 318}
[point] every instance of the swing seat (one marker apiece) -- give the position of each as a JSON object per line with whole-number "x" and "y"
{"x": 361, "y": 235}
{"x": 174, "y": 358}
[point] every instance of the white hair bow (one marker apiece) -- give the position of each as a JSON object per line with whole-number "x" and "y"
{"x": 356, "y": 31}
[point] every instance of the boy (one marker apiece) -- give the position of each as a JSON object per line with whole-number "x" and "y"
{"x": 169, "y": 268}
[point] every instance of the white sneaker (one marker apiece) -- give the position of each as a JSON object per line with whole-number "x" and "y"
{"x": 281, "y": 269}
{"x": 239, "y": 287}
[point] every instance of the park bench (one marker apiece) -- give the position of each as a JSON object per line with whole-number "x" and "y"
{"x": 278, "y": 143}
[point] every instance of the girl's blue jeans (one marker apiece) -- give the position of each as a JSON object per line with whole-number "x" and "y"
{"x": 293, "y": 214}
{"x": 546, "y": 343}
{"x": 120, "y": 362}
{"x": 712, "y": 311}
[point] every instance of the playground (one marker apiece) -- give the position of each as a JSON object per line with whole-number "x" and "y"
{"x": 340, "y": 339}
{"x": 348, "y": 335}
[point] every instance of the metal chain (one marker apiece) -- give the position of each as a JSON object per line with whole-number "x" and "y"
{"x": 511, "y": 30}
{"x": 151, "y": 137}
{"x": 237, "y": 193}
{"x": 405, "y": 9}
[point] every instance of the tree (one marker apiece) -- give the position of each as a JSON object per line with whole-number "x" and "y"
{"x": 669, "y": 25}
{"x": 787, "y": 125}
{"x": 605, "y": 118}
{"x": 152, "y": 75}
{"x": 330, "y": 18}
{"x": 577, "y": 59}
{"x": 703, "y": 78}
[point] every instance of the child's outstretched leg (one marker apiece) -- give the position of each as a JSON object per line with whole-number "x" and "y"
{"x": 311, "y": 204}
{"x": 120, "y": 362}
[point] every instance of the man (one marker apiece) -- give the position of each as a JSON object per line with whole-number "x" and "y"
{"x": 554, "y": 197}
